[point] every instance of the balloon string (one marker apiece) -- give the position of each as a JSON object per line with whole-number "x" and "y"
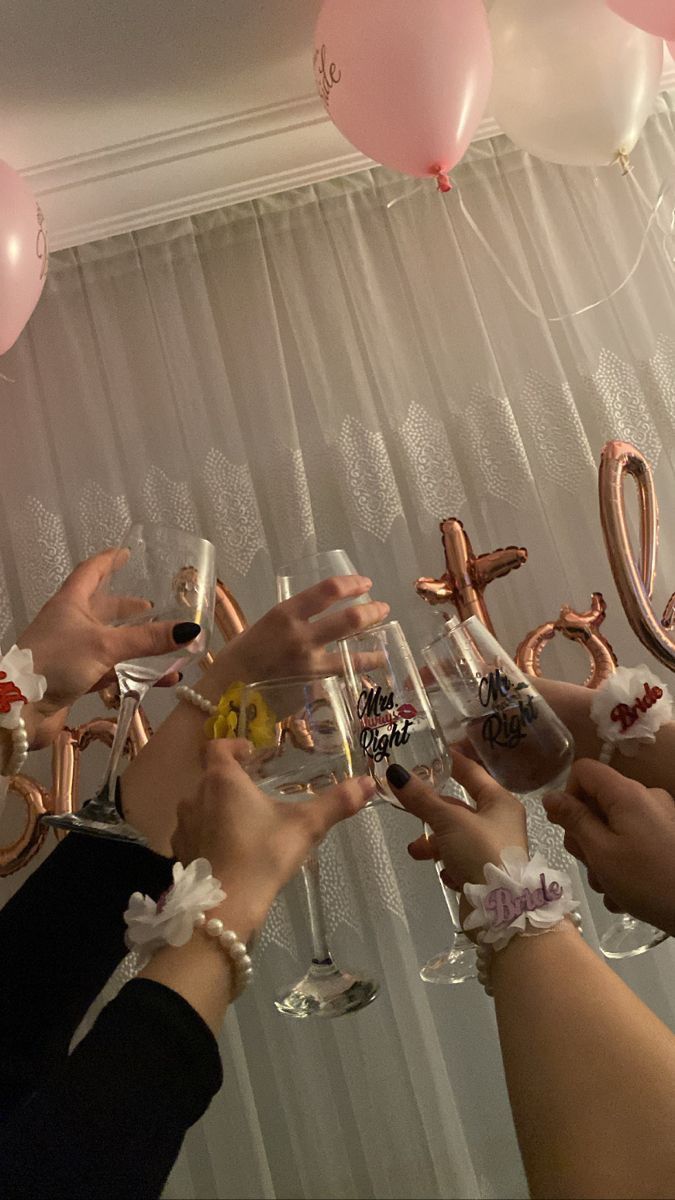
{"x": 513, "y": 287}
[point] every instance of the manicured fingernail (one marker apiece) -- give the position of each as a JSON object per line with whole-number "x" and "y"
{"x": 186, "y": 632}
{"x": 180, "y": 676}
{"x": 397, "y": 776}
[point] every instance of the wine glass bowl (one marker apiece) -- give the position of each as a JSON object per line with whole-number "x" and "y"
{"x": 304, "y": 572}
{"x": 514, "y": 732}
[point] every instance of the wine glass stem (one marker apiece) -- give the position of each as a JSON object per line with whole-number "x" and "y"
{"x": 321, "y": 955}
{"x": 130, "y": 698}
{"x": 451, "y": 901}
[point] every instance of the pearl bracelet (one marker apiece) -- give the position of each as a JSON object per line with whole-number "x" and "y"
{"x": 192, "y": 697}
{"x": 172, "y": 920}
{"x": 233, "y": 947}
{"x": 19, "y": 752}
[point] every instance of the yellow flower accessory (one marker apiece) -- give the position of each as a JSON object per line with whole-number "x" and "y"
{"x": 260, "y": 720}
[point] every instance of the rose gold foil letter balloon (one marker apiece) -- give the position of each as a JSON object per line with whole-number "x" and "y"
{"x": 229, "y": 617}
{"x": 634, "y": 580}
{"x": 467, "y": 575}
{"x": 19, "y": 852}
{"x": 583, "y": 628}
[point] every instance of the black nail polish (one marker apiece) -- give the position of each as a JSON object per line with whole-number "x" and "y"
{"x": 180, "y": 676}
{"x": 397, "y": 776}
{"x": 185, "y": 632}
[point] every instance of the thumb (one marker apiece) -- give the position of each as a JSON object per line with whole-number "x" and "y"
{"x": 588, "y": 831}
{"x": 152, "y": 638}
{"x": 220, "y": 753}
{"x": 320, "y": 813}
{"x": 418, "y": 797}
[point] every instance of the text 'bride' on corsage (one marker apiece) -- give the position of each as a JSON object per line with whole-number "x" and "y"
{"x": 629, "y": 709}
{"x": 517, "y": 894}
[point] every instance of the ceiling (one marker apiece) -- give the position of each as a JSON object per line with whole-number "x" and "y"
{"x": 125, "y": 113}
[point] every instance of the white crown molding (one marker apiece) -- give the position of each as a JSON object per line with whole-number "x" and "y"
{"x": 195, "y": 168}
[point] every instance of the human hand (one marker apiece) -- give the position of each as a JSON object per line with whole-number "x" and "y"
{"x": 463, "y": 839}
{"x": 254, "y": 842}
{"x": 288, "y": 641}
{"x": 75, "y": 648}
{"x": 624, "y": 833}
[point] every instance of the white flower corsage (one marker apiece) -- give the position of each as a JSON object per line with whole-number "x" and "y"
{"x": 630, "y": 707}
{"x": 172, "y": 919}
{"x": 19, "y": 684}
{"x": 518, "y": 893}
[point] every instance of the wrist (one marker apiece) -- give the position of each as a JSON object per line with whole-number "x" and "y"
{"x": 227, "y": 668}
{"x": 522, "y": 951}
{"x": 239, "y": 912}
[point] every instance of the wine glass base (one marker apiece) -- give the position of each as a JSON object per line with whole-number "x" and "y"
{"x": 326, "y": 992}
{"x": 628, "y": 938}
{"x": 456, "y": 965}
{"x": 118, "y": 831}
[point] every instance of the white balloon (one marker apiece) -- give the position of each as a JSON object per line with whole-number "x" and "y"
{"x": 573, "y": 83}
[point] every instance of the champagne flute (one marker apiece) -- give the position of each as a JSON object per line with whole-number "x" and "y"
{"x": 303, "y": 573}
{"x": 159, "y": 574}
{"x": 396, "y": 725}
{"x": 303, "y": 743}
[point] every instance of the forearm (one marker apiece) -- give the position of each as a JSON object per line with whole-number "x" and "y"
{"x": 62, "y": 936}
{"x": 201, "y": 971}
{"x": 167, "y": 769}
{"x": 590, "y": 1072}
{"x": 109, "y": 1123}
{"x": 653, "y": 766}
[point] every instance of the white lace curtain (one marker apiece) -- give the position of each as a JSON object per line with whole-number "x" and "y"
{"x": 325, "y": 368}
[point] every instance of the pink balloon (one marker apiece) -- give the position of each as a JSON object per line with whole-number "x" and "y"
{"x": 656, "y": 16}
{"x": 23, "y": 255}
{"x": 405, "y": 81}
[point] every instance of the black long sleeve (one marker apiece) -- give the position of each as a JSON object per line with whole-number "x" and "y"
{"x": 110, "y": 1121}
{"x": 61, "y": 937}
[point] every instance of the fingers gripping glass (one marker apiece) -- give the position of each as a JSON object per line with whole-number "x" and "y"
{"x": 304, "y": 572}
{"x": 160, "y": 574}
{"x": 396, "y": 725}
{"x": 303, "y": 743}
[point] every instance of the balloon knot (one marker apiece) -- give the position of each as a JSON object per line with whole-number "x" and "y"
{"x": 442, "y": 178}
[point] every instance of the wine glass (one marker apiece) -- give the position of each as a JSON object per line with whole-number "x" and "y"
{"x": 159, "y": 574}
{"x": 514, "y": 732}
{"x": 303, "y": 572}
{"x": 396, "y": 725}
{"x": 303, "y": 743}
{"x": 521, "y": 742}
